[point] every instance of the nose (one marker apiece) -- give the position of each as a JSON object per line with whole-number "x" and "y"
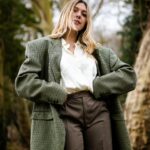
{"x": 78, "y": 15}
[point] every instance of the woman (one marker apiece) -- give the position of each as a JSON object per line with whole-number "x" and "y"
{"x": 74, "y": 84}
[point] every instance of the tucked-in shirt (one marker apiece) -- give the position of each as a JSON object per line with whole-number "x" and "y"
{"x": 78, "y": 69}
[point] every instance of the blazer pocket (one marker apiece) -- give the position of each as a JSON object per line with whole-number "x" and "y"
{"x": 42, "y": 116}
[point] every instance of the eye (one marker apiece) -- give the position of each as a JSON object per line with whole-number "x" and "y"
{"x": 75, "y": 9}
{"x": 84, "y": 14}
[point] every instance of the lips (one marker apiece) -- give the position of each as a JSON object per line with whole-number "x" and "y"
{"x": 77, "y": 22}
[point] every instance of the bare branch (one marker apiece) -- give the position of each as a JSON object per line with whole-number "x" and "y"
{"x": 100, "y": 4}
{"x": 119, "y": 14}
{"x": 57, "y": 4}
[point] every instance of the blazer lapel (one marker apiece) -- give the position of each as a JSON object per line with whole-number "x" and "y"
{"x": 98, "y": 64}
{"x": 102, "y": 67}
{"x": 55, "y": 54}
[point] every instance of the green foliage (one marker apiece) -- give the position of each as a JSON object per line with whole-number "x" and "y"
{"x": 133, "y": 29}
{"x": 13, "y": 15}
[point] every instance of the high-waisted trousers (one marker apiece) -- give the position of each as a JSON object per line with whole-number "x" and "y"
{"x": 87, "y": 123}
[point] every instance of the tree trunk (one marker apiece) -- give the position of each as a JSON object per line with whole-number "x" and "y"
{"x": 44, "y": 11}
{"x": 18, "y": 119}
{"x": 14, "y": 113}
{"x": 2, "y": 123}
{"x": 137, "y": 109}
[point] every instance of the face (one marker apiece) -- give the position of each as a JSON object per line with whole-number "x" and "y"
{"x": 79, "y": 17}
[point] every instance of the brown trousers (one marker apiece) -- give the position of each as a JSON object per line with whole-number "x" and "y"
{"x": 87, "y": 123}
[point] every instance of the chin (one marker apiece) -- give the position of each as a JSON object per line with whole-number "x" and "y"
{"x": 76, "y": 28}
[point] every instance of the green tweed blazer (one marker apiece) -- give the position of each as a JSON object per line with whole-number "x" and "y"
{"x": 38, "y": 81}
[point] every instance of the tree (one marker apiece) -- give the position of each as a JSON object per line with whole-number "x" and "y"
{"x": 137, "y": 107}
{"x": 13, "y": 15}
{"x": 133, "y": 29}
{"x": 138, "y": 102}
{"x": 44, "y": 14}
{"x": 2, "y": 128}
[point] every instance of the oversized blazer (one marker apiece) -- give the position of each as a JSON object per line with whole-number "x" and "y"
{"x": 38, "y": 81}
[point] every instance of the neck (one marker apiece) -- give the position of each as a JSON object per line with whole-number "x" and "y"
{"x": 71, "y": 36}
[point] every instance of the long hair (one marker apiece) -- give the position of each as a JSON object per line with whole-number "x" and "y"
{"x": 84, "y": 36}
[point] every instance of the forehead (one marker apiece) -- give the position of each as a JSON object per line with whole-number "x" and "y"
{"x": 81, "y": 6}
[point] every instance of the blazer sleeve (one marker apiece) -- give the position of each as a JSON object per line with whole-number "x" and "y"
{"x": 28, "y": 83}
{"x": 120, "y": 80}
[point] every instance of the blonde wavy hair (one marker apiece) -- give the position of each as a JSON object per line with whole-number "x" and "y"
{"x": 84, "y": 36}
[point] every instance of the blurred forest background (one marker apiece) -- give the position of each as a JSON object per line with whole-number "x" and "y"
{"x": 24, "y": 20}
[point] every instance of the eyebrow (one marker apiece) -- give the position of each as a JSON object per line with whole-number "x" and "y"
{"x": 83, "y": 10}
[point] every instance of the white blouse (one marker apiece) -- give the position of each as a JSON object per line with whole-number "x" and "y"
{"x": 78, "y": 69}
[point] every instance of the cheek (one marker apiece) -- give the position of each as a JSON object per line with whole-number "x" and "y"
{"x": 84, "y": 23}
